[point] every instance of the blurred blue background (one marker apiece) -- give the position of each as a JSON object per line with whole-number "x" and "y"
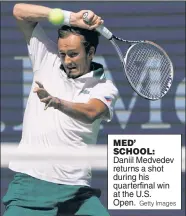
{"x": 161, "y": 22}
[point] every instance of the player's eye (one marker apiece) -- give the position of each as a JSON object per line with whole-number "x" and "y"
{"x": 73, "y": 54}
{"x": 62, "y": 54}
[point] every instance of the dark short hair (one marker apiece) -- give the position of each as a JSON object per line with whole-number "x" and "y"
{"x": 91, "y": 36}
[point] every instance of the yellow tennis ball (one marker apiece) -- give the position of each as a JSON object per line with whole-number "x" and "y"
{"x": 56, "y": 16}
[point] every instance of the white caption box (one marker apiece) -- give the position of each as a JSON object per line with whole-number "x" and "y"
{"x": 144, "y": 172}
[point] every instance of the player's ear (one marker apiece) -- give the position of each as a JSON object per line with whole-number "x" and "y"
{"x": 91, "y": 52}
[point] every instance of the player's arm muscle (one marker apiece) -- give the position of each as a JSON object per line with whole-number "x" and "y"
{"x": 27, "y": 16}
{"x": 86, "y": 112}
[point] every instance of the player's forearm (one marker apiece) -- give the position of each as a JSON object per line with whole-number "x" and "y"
{"x": 29, "y": 12}
{"x": 80, "y": 111}
{"x": 33, "y": 13}
{"x": 85, "y": 112}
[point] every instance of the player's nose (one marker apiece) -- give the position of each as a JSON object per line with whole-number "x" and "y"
{"x": 67, "y": 60}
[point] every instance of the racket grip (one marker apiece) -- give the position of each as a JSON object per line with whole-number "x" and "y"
{"x": 104, "y": 31}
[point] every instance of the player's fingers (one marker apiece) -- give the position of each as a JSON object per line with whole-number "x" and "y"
{"x": 39, "y": 90}
{"x": 42, "y": 93}
{"x": 88, "y": 16}
{"x": 39, "y": 84}
{"x": 35, "y": 89}
{"x": 96, "y": 19}
{"x": 46, "y": 99}
{"x": 48, "y": 104}
{"x": 96, "y": 25}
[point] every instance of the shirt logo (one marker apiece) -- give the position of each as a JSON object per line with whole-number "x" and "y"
{"x": 108, "y": 99}
{"x": 85, "y": 91}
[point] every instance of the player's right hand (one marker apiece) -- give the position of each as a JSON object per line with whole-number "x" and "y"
{"x": 76, "y": 20}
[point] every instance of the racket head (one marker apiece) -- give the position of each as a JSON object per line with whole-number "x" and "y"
{"x": 148, "y": 69}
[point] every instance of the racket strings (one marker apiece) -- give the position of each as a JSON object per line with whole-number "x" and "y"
{"x": 147, "y": 70}
{"x": 152, "y": 82}
{"x": 153, "y": 85}
{"x": 163, "y": 77}
{"x": 139, "y": 78}
{"x": 136, "y": 76}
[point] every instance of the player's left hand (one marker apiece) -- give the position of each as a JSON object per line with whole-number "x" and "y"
{"x": 45, "y": 97}
{"x": 41, "y": 91}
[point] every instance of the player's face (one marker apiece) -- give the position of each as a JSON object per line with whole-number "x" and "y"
{"x": 73, "y": 55}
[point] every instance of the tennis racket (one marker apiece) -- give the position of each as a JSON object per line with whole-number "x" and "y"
{"x": 147, "y": 66}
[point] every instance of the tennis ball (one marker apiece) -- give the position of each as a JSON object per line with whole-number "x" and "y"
{"x": 56, "y": 16}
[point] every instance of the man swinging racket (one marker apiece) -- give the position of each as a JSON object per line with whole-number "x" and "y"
{"x": 69, "y": 98}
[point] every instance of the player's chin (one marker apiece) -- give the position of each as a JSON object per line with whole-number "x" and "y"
{"x": 73, "y": 74}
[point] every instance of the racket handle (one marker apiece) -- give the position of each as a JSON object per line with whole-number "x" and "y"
{"x": 104, "y": 31}
{"x": 101, "y": 29}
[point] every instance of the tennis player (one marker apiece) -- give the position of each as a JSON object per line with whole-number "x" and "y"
{"x": 69, "y": 98}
